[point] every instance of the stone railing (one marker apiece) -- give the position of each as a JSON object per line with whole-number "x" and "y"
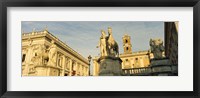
{"x": 152, "y": 70}
{"x": 33, "y": 33}
{"x": 137, "y": 71}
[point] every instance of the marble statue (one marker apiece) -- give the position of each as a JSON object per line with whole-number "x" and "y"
{"x": 109, "y": 61}
{"x": 112, "y": 44}
{"x": 103, "y": 44}
{"x": 52, "y": 54}
{"x": 108, "y": 45}
{"x": 157, "y": 48}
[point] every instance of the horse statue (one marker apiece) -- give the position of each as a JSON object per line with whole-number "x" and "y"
{"x": 108, "y": 45}
{"x": 112, "y": 44}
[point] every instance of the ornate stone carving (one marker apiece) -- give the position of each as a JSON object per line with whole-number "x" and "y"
{"x": 39, "y": 54}
{"x": 157, "y": 48}
{"x": 52, "y": 54}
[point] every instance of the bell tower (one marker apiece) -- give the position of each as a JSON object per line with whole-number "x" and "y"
{"x": 127, "y": 44}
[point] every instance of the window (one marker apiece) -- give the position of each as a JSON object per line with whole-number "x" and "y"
{"x": 23, "y": 57}
{"x": 126, "y": 41}
{"x": 126, "y": 48}
{"x": 136, "y": 59}
{"x": 66, "y": 74}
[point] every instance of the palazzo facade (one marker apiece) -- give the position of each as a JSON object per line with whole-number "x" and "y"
{"x": 43, "y": 54}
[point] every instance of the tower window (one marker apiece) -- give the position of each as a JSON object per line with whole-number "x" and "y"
{"x": 136, "y": 58}
{"x": 126, "y": 41}
{"x": 126, "y": 48}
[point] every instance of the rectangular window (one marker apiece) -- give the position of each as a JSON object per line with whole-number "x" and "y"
{"x": 23, "y": 57}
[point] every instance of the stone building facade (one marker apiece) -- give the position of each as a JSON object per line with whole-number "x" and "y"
{"x": 171, "y": 41}
{"x": 43, "y": 54}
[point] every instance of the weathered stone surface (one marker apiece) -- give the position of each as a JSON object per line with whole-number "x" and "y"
{"x": 161, "y": 69}
{"x": 175, "y": 68}
{"x": 160, "y": 62}
{"x": 110, "y": 66}
{"x": 163, "y": 74}
{"x": 157, "y": 48}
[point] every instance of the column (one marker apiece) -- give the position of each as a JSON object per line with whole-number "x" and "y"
{"x": 70, "y": 67}
{"x": 85, "y": 71}
{"x": 94, "y": 68}
{"x": 76, "y": 68}
{"x": 81, "y": 69}
{"x": 63, "y": 65}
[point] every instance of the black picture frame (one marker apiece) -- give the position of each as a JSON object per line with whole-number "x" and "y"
{"x": 99, "y": 3}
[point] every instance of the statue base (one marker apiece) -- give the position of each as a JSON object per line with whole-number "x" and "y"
{"x": 159, "y": 62}
{"x": 163, "y": 67}
{"x": 110, "y": 66}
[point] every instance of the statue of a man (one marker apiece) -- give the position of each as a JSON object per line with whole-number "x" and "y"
{"x": 103, "y": 44}
{"x": 52, "y": 54}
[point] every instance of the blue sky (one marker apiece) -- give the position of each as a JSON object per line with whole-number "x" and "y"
{"x": 83, "y": 36}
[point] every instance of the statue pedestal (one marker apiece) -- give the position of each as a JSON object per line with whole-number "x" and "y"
{"x": 163, "y": 67}
{"x": 110, "y": 66}
{"x": 160, "y": 62}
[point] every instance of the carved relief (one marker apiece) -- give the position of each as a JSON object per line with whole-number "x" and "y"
{"x": 38, "y": 54}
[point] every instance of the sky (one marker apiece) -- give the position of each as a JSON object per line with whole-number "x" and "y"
{"x": 83, "y": 36}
